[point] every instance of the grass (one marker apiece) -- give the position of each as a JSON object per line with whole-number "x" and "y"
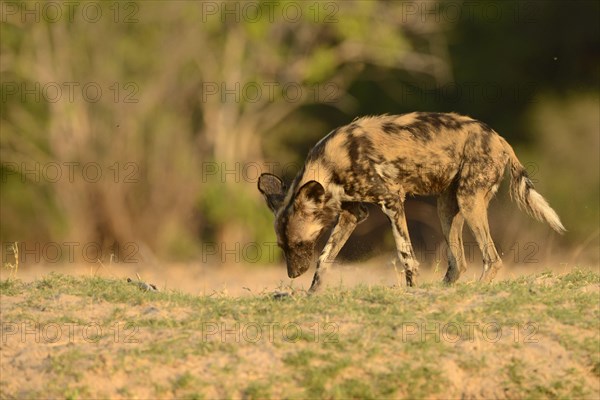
{"x": 96, "y": 337}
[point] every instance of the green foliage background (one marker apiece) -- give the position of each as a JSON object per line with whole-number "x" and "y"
{"x": 185, "y": 103}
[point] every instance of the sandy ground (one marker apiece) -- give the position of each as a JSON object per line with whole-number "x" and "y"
{"x": 25, "y": 363}
{"x": 239, "y": 279}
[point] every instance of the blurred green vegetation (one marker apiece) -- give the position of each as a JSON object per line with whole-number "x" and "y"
{"x": 176, "y": 102}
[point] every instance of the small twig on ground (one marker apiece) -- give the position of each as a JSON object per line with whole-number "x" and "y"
{"x": 101, "y": 265}
{"x": 282, "y": 295}
{"x": 14, "y": 268}
{"x": 147, "y": 287}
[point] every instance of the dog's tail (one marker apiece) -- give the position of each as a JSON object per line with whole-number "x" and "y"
{"x": 521, "y": 189}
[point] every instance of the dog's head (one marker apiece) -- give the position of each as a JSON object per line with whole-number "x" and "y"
{"x": 298, "y": 222}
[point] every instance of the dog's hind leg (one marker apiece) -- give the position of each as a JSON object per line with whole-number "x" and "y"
{"x": 474, "y": 209}
{"x": 452, "y": 223}
{"x": 395, "y": 212}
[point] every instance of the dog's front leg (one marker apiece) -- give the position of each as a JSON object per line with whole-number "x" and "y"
{"x": 350, "y": 216}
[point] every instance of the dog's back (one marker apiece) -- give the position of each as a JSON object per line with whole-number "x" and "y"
{"x": 416, "y": 153}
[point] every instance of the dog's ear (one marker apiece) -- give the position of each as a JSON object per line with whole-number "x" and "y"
{"x": 273, "y": 189}
{"x": 310, "y": 198}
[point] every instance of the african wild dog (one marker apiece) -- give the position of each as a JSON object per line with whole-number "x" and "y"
{"x": 383, "y": 159}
